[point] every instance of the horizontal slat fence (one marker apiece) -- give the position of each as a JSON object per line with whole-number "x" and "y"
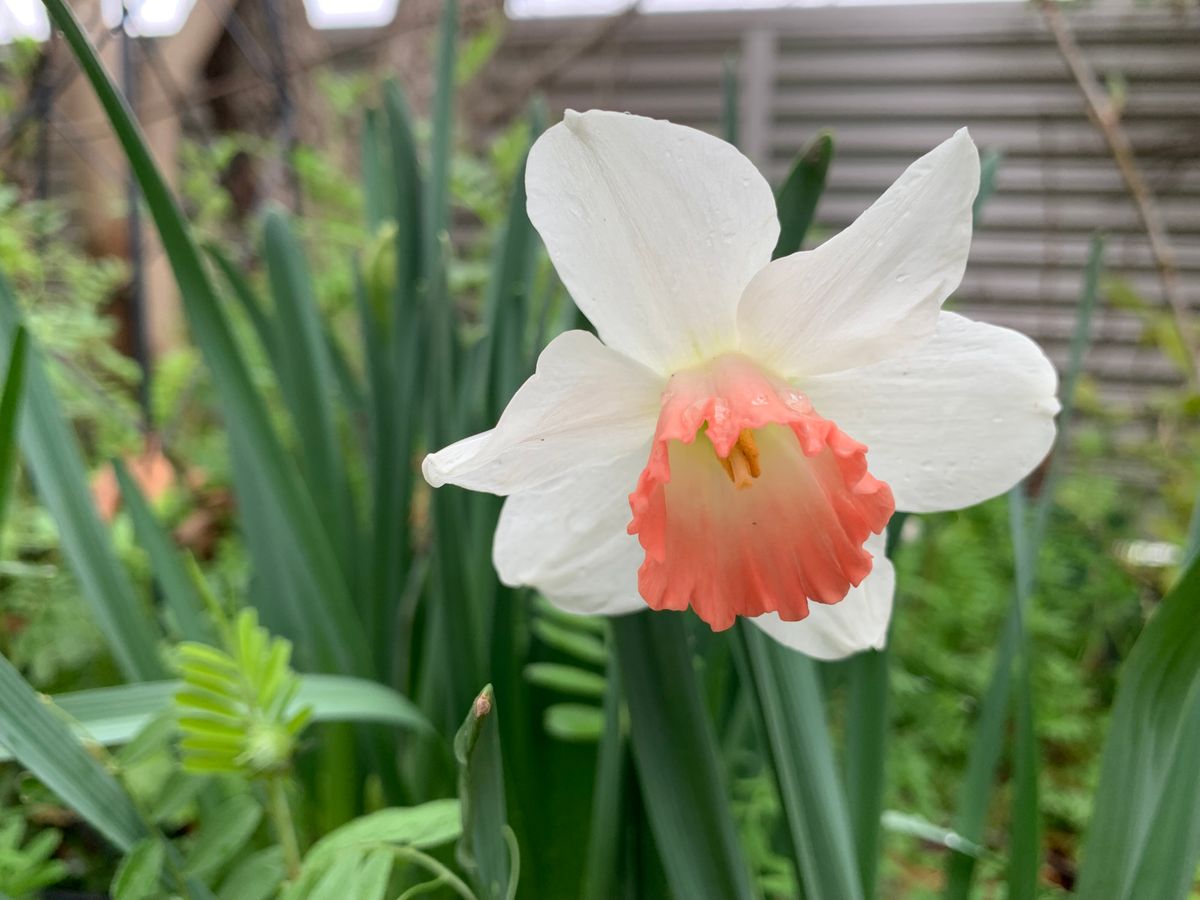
{"x": 891, "y": 82}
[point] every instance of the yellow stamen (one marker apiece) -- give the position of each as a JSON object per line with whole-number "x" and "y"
{"x": 742, "y": 465}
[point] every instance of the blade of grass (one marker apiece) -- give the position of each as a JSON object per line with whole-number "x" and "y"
{"x": 53, "y": 459}
{"x": 307, "y": 380}
{"x": 988, "y": 740}
{"x": 676, "y": 758}
{"x": 42, "y": 742}
{"x": 800, "y": 192}
{"x": 866, "y": 756}
{"x": 395, "y": 356}
{"x": 250, "y": 302}
{"x": 441, "y": 150}
{"x": 375, "y": 194}
{"x": 600, "y": 872}
{"x": 1025, "y": 816}
{"x": 308, "y": 600}
{"x": 989, "y": 168}
{"x": 506, "y": 363}
{"x": 786, "y": 687}
{"x": 455, "y": 607}
{"x": 178, "y": 589}
{"x": 484, "y": 849}
{"x": 1144, "y": 838}
{"x": 10, "y": 405}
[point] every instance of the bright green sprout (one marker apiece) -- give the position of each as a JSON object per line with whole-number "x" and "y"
{"x": 237, "y": 710}
{"x": 27, "y": 866}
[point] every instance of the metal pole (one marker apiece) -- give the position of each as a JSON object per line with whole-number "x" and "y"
{"x": 137, "y": 261}
{"x": 283, "y": 96}
{"x": 43, "y": 104}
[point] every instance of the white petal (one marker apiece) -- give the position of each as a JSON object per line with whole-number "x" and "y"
{"x": 654, "y": 228}
{"x": 960, "y": 419}
{"x": 568, "y": 539}
{"x": 863, "y": 294}
{"x": 585, "y": 404}
{"x": 858, "y": 622}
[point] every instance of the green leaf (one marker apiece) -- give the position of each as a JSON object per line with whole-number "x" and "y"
{"x": 989, "y": 167}
{"x": 38, "y": 738}
{"x": 797, "y": 198}
{"x": 441, "y": 150}
{"x": 340, "y": 879}
{"x": 166, "y": 562}
{"x": 987, "y": 743}
{"x": 222, "y": 836}
{"x": 866, "y": 756}
{"x": 257, "y": 877}
{"x": 600, "y": 876}
{"x": 308, "y": 599}
{"x": 565, "y": 679}
{"x": 566, "y": 639}
{"x": 1025, "y": 856}
{"x": 792, "y": 712}
{"x": 264, "y": 328}
{"x": 138, "y": 875}
{"x": 483, "y": 850}
{"x": 306, "y": 377}
{"x": 114, "y": 716}
{"x": 505, "y": 364}
{"x": 10, "y": 402}
{"x": 423, "y": 827}
{"x": 1144, "y": 839}
{"x": 676, "y": 758}
{"x": 915, "y": 826}
{"x": 576, "y": 722}
{"x": 53, "y": 459}
{"x": 375, "y": 199}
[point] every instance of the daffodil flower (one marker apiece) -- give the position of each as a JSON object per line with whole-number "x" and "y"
{"x": 710, "y": 448}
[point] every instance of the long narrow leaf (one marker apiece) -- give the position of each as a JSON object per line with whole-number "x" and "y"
{"x": 43, "y": 743}
{"x": 676, "y": 758}
{"x": 1025, "y": 820}
{"x": 10, "y": 405}
{"x": 54, "y": 460}
{"x": 308, "y": 598}
{"x": 866, "y": 752}
{"x": 788, "y": 693}
{"x": 306, "y": 376}
{"x": 178, "y": 589}
{"x": 988, "y": 740}
{"x": 600, "y": 875}
{"x": 484, "y": 849}
{"x": 797, "y": 198}
{"x": 1144, "y": 839}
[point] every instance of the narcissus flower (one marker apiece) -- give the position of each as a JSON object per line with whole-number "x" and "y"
{"x": 742, "y": 430}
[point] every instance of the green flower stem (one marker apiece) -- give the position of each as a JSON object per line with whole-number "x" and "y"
{"x": 281, "y": 817}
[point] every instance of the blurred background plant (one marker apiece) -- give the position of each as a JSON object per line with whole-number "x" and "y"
{"x": 272, "y": 476}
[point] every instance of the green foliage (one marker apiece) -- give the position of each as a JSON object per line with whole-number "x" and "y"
{"x": 487, "y": 849}
{"x": 1144, "y": 838}
{"x": 356, "y": 860}
{"x": 26, "y": 863}
{"x": 236, "y": 708}
{"x": 331, "y": 351}
{"x": 139, "y": 874}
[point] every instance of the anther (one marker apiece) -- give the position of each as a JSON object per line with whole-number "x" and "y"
{"x": 742, "y": 465}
